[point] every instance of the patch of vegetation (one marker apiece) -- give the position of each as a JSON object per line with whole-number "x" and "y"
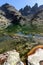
{"x": 26, "y": 29}
{"x": 21, "y": 44}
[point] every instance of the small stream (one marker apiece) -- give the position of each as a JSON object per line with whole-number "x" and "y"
{"x": 30, "y": 35}
{"x": 35, "y": 36}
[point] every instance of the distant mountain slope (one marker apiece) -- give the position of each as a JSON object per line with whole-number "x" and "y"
{"x": 10, "y": 15}
{"x": 9, "y": 10}
{"x": 35, "y": 14}
{"x": 27, "y": 10}
{"x": 30, "y": 11}
{"x": 38, "y": 18}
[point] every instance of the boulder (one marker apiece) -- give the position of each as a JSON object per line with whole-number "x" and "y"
{"x": 10, "y": 58}
{"x": 35, "y": 56}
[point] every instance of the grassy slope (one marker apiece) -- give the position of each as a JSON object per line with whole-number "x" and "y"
{"x": 26, "y": 29}
{"x": 19, "y": 44}
{"x": 22, "y": 45}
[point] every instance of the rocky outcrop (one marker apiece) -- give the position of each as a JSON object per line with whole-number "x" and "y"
{"x": 38, "y": 19}
{"x": 27, "y": 10}
{"x": 35, "y": 56}
{"x": 8, "y": 12}
{"x": 31, "y": 13}
{"x": 12, "y": 15}
{"x": 10, "y": 58}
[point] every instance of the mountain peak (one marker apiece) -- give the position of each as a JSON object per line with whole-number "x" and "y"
{"x": 36, "y": 4}
{"x": 6, "y": 4}
{"x": 29, "y": 10}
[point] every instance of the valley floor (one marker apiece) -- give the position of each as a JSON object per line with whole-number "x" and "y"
{"x": 20, "y": 42}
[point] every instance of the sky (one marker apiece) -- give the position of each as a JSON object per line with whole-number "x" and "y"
{"x": 21, "y": 3}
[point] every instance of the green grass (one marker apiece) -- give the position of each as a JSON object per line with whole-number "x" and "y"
{"x": 26, "y": 29}
{"x": 11, "y": 45}
{"x": 22, "y": 45}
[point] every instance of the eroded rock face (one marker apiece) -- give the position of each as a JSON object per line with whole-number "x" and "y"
{"x": 10, "y": 58}
{"x": 35, "y": 58}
